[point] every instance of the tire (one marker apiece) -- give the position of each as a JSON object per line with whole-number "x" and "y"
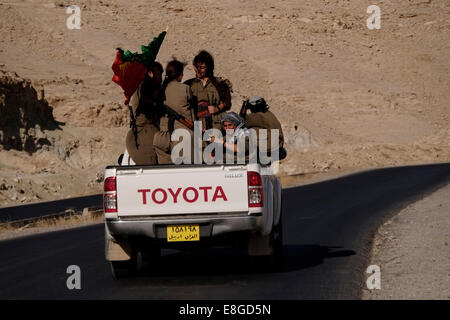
{"x": 274, "y": 261}
{"x": 271, "y": 243}
{"x": 259, "y": 245}
{"x": 277, "y": 256}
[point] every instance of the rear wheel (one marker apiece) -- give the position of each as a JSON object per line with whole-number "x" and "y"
{"x": 267, "y": 251}
{"x": 277, "y": 256}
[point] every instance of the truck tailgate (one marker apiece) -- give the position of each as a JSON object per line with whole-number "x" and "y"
{"x": 181, "y": 190}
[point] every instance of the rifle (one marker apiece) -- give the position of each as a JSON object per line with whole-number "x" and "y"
{"x": 166, "y": 109}
{"x": 133, "y": 126}
{"x": 178, "y": 117}
{"x": 244, "y": 108}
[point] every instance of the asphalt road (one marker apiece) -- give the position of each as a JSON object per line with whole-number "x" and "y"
{"x": 328, "y": 229}
{"x": 32, "y": 210}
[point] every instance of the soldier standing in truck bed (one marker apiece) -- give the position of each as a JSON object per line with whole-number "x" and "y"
{"x": 178, "y": 97}
{"x": 212, "y": 95}
{"x": 146, "y": 111}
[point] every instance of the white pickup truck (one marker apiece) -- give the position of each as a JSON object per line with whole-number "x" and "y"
{"x": 176, "y": 206}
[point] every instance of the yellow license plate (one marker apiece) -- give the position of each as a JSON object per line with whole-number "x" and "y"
{"x": 190, "y": 232}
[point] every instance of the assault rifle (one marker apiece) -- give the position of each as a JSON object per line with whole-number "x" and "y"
{"x": 178, "y": 117}
{"x": 166, "y": 109}
{"x": 244, "y": 108}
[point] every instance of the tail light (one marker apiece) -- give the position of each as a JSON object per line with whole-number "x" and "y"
{"x": 110, "y": 195}
{"x": 255, "y": 190}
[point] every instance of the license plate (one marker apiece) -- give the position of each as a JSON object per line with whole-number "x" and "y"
{"x": 190, "y": 232}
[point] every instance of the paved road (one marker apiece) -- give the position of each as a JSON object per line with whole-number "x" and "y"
{"x": 39, "y": 209}
{"x": 328, "y": 228}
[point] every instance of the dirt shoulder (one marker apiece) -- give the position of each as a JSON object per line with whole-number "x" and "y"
{"x": 412, "y": 251}
{"x": 8, "y": 231}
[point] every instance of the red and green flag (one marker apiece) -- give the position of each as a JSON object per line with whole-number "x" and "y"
{"x": 130, "y": 68}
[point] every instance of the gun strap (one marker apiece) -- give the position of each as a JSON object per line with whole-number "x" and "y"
{"x": 133, "y": 125}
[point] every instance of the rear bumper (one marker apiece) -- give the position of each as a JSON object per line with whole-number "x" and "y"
{"x": 210, "y": 226}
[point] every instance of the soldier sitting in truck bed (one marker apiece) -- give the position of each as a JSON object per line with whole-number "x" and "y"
{"x": 261, "y": 118}
{"x": 233, "y": 127}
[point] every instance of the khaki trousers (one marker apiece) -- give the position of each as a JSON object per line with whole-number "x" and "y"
{"x": 145, "y": 153}
{"x": 163, "y": 147}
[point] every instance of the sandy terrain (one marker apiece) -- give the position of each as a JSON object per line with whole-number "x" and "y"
{"x": 349, "y": 98}
{"x": 412, "y": 251}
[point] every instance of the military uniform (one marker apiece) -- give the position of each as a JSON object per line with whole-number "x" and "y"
{"x": 214, "y": 91}
{"x": 147, "y": 125}
{"x": 178, "y": 97}
{"x": 265, "y": 120}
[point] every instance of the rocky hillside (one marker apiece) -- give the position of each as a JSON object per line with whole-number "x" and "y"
{"x": 24, "y": 115}
{"x": 349, "y": 98}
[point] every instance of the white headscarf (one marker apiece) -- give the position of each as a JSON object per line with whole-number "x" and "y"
{"x": 238, "y": 121}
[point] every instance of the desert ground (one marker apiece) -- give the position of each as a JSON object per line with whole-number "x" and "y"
{"x": 348, "y": 97}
